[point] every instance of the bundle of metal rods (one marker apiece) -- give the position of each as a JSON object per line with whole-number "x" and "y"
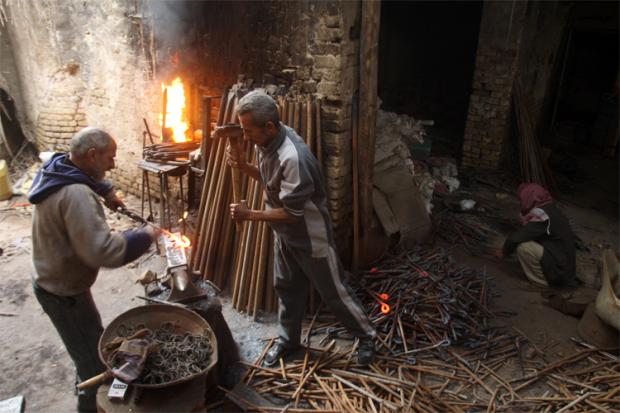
{"x": 173, "y": 151}
{"x": 533, "y": 166}
{"x": 419, "y": 298}
{"x": 244, "y": 258}
{"x": 436, "y": 353}
{"x": 467, "y": 230}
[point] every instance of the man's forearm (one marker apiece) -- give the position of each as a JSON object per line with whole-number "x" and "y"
{"x": 273, "y": 215}
{"x": 251, "y": 171}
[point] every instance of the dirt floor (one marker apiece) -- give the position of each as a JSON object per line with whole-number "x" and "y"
{"x": 36, "y": 365}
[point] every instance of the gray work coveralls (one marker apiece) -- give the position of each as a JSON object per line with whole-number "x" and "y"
{"x": 304, "y": 251}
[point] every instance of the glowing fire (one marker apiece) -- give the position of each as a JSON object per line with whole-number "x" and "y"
{"x": 183, "y": 218}
{"x": 175, "y": 110}
{"x": 179, "y": 241}
{"x": 385, "y": 308}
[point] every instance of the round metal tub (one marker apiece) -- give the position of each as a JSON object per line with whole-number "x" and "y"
{"x": 152, "y": 316}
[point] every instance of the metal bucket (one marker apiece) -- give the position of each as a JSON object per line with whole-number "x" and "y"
{"x": 152, "y": 316}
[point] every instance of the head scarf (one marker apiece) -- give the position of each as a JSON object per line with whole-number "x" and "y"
{"x": 532, "y": 196}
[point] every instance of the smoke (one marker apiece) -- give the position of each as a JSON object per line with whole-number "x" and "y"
{"x": 170, "y": 21}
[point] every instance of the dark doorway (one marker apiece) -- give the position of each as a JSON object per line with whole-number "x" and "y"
{"x": 588, "y": 95}
{"x": 427, "y": 53}
{"x": 12, "y": 138}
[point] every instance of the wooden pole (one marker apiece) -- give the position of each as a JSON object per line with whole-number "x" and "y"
{"x": 205, "y": 144}
{"x": 369, "y": 56}
{"x": 355, "y": 182}
{"x": 319, "y": 134}
{"x": 163, "y": 114}
{"x": 291, "y": 114}
{"x": 222, "y": 268}
{"x": 303, "y": 129}
{"x": 310, "y": 124}
{"x": 285, "y": 110}
{"x": 298, "y": 115}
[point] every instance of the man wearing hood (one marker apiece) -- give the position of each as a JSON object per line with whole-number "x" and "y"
{"x": 71, "y": 241}
{"x": 545, "y": 243}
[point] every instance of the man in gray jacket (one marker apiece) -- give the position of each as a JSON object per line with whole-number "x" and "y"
{"x": 71, "y": 241}
{"x": 296, "y": 209}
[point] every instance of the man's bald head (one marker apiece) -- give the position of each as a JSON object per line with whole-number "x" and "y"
{"x": 93, "y": 151}
{"x": 87, "y": 138}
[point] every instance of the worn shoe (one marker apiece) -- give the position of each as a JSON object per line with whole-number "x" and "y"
{"x": 276, "y": 352}
{"x": 366, "y": 351}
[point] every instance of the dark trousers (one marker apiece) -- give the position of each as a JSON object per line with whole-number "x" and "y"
{"x": 293, "y": 271}
{"x": 79, "y": 325}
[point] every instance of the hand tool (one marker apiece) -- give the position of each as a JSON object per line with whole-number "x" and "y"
{"x": 129, "y": 360}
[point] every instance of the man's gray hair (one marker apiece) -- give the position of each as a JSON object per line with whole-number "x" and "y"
{"x": 89, "y": 137}
{"x": 262, "y": 107}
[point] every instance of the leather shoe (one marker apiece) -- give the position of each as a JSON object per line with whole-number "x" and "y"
{"x": 276, "y": 352}
{"x": 366, "y": 351}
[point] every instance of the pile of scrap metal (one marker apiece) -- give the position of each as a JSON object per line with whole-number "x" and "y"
{"x": 176, "y": 153}
{"x": 436, "y": 353}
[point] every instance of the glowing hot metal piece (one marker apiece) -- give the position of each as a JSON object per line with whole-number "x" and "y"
{"x": 385, "y": 308}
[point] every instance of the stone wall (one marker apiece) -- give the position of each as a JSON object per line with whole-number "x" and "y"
{"x": 496, "y": 64}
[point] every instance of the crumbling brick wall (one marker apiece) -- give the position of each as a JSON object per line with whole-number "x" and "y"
{"x": 78, "y": 64}
{"x": 496, "y": 64}
{"x": 97, "y": 69}
{"x": 62, "y": 113}
{"x": 323, "y": 58}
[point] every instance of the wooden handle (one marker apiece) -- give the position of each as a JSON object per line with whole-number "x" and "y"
{"x": 93, "y": 381}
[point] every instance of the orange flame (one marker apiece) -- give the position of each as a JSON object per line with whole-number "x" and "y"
{"x": 180, "y": 241}
{"x": 175, "y": 110}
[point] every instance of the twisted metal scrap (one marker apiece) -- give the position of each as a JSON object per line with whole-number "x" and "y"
{"x": 177, "y": 356}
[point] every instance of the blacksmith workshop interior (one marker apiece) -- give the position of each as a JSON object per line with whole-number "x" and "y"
{"x": 429, "y": 187}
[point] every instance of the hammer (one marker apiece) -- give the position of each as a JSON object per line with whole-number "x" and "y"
{"x": 234, "y": 133}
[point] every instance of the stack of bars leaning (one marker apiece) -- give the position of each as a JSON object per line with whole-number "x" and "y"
{"x": 241, "y": 256}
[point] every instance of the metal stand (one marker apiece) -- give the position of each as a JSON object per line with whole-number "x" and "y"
{"x": 163, "y": 171}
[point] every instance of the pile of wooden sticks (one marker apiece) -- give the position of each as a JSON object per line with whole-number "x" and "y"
{"x": 243, "y": 259}
{"x": 423, "y": 364}
{"x": 533, "y": 166}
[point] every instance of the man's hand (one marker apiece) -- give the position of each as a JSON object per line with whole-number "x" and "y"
{"x": 234, "y": 156}
{"x": 240, "y": 211}
{"x": 153, "y": 232}
{"x": 113, "y": 201}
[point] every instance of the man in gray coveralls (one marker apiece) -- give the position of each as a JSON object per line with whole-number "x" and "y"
{"x": 296, "y": 209}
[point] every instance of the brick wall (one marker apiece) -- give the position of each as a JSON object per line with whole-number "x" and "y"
{"x": 62, "y": 113}
{"x": 320, "y": 55}
{"x": 96, "y": 69}
{"x": 488, "y": 117}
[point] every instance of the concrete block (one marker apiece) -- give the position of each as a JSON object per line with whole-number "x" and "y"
{"x": 336, "y": 143}
{"x": 326, "y": 34}
{"x": 331, "y": 90}
{"x": 325, "y": 48}
{"x": 327, "y": 61}
{"x": 332, "y": 22}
